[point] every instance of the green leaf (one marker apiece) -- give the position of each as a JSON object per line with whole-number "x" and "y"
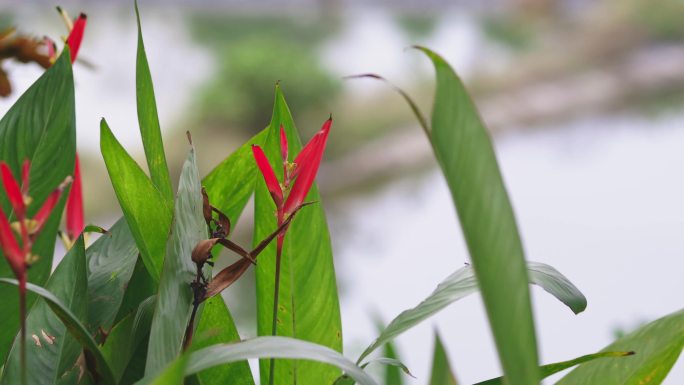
{"x": 276, "y": 347}
{"x": 466, "y": 154}
{"x": 216, "y": 326}
{"x": 111, "y": 262}
{"x": 230, "y": 184}
{"x": 174, "y": 301}
{"x": 441, "y": 370}
{"x": 127, "y": 336}
{"x": 171, "y": 375}
{"x": 140, "y": 287}
{"x": 144, "y": 207}
{"x": 41, "y": 127}
{"x": 550, "y": 369}
{"x": 149, "y": 121}
{"x": 74, "y": 327}
{"x": 308, "y": 289}
{"x": 657, "y": 346}
{"x": 48, "y": 361}
{"x": 393, "y": 367}
{"x": 463, "y": 283}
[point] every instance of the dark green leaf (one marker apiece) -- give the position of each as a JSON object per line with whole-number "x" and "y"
{"x": 308, "y": 290}
{"x": 171, "y": 375}
{"x": 216, "y": 326}
{"x": 466, "y": 154}
{"x": 127, "y": 336}
{"x": 441, "y": 369}
{"x": 462, "y": 283}
{"x": 656, "y": 345}
{"x": 49, "y": 359}
{"x": 41, "y": 127}
{"x": 174, "y": 301}
{"x": 149, "y": 121}
{"x": 144, "y": 207}
{"x": 111, "y": 261}
{"x": 140, "y": 287}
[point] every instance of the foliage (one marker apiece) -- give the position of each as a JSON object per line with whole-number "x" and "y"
{"x": 141, "y": 304}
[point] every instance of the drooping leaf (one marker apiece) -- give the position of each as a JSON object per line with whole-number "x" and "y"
{"x": 393, "y": 367}
{"x": 276, "y": 347}
{"x": 547, "y": 370}
{"x": 466, "y": 155}
{"x": 462, "y": 283}
{"x": 308, "y": 304}
{"x": 144, "y": 207}
{"x": 127, "y": 336}
{"x": 51, "y": 351}
{"x": 149, "y": 121}
{"x": 111, "y": 262}
{"x": 174, "y": 301}
{"x": 40, "y": 127}
{"x": 74, "y": 327}
{"x": 656, "y": 345}
{"x": 441, "y": 369}
{"x": 216, "y": 326}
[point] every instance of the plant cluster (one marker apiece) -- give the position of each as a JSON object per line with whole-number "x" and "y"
{"x": 140, "y": 305}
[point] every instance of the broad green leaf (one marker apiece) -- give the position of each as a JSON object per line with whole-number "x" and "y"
{"x": 465, "y": 152}
{"x": 174, "y": 300}
{"x": 46, "y": 359}
{"x": 230, "y": 184}
{"x": 74, "y": 327}
{"x": 127, "y": 336}
{"x": 308, "y": 290}
{"x": 463, "y": 283}
{"x": 276, "y": 347}
{"x": 656, "y": 345}
{"x": 144, "y": 207}
{"x": 390, "y": 363}
{"x": 41, "y": 127}
{"x": 216, "y": 326}
{"x": 441, "y": 369}
{"x": 547, "y": 370}
{"x": 111, "y": 262}
{"x": 149, "y": 121}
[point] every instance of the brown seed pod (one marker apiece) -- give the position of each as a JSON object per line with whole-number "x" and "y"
{"x": 202, "y": 250}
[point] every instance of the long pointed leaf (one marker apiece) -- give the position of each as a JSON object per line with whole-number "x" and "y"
{"x": 174, "y": 301}
{"x": 149, "y": 121}
{"x": 463, "y": 283}
{"x": 41, "y": 127}
{"x": 308, "y": 304}
{"x": 657, "y": 346}
{"x": 441, "y": 369}
{"x": 144, "y": 207}
{"x": 465, "y": 153}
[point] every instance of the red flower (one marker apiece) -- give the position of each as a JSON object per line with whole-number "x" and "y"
{"x": 74, "y": 206}
{"x": 300, "y": 174}
{"x": 76, "y": 35}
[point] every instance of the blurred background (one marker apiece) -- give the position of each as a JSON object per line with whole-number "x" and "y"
{"x": 583, "y": 98}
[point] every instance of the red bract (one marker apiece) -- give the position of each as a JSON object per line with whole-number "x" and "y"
{"x": 76, "y": 35}
{"x": 74, "y": 206}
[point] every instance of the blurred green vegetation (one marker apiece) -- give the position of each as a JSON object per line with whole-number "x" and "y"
{"x": 251, "y": 54}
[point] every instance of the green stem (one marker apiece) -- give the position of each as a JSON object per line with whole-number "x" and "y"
{"x": 22, "y": 315}
{"x": 276, "y": 296}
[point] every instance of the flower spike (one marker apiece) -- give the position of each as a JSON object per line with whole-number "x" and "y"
{"x": 269, "y": 175}
{"x": 44, "y": 212}
{"x": 307, "y": 161}
{"x": 283, "y": 144}
{"x": 10, "y": 247}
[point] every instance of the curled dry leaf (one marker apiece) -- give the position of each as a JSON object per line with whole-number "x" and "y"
{"x": 202, "y": 250}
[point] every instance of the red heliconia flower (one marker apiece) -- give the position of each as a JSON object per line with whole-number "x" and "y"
{"x": 299, "y": 175}
{"x": 74, "y": 206}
